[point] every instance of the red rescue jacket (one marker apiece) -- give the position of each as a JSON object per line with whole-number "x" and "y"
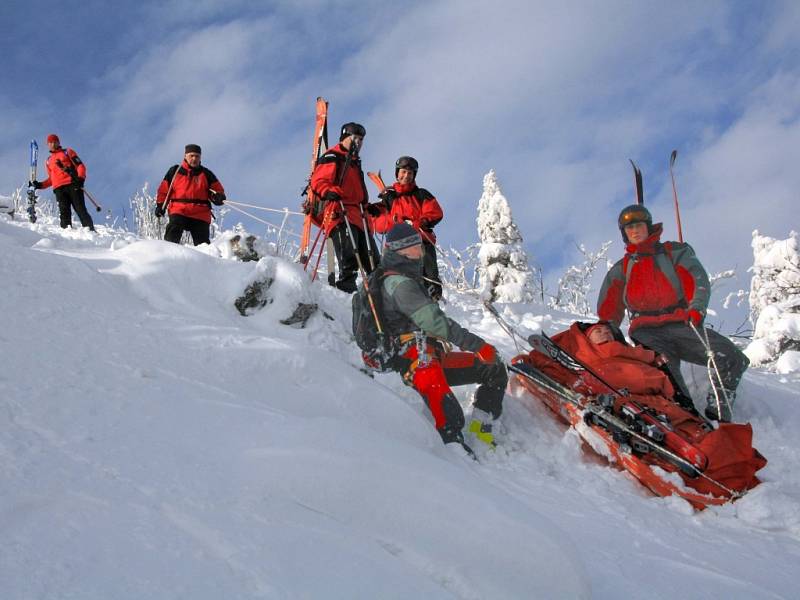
{"x": 413, "y": 204}
{"x": 353, "y": 190}
{"x": 59, "y": 164}
{"x": 189, "y": 195}
{"x": 656, "y": 283}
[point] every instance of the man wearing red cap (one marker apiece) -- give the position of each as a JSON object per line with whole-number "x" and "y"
{"x": 66, "y": 173}
{"x": 186, "y": 193}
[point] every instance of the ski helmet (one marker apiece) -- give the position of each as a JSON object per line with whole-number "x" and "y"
{"x": 53, "y": 138}
{"x": 635, "y": 213}
{"x": 406, "y": 162}
{"x": 349, "y": 129}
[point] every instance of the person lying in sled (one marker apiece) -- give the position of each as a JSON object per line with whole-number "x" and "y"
{"x": 602, "y": 347}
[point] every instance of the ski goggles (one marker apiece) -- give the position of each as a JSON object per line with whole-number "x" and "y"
{"x": 634, "y": 216}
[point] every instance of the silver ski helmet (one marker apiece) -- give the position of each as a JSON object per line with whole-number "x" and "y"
{"x": 406, "y": 162}
{"x": 634, "y": 213}
{"x": 349, "y": 129}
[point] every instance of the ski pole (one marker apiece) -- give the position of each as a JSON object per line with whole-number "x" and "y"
{"x": 369, "y": 238}
{"x": 91, "y": 199}
{"x": 712, "y": 368}
{"x": 672, "y": 158}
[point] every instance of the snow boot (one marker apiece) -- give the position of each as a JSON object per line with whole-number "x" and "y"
{"x": 726, "y": 407}
{"x": 481, "y": 427}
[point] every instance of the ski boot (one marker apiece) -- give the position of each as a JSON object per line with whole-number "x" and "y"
{"x": 481, "y": 427}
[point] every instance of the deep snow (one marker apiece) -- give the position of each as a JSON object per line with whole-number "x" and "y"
{"x": 156, "y": 444}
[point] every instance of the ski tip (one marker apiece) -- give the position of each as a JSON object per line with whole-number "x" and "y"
{"x": 672, "y": 157}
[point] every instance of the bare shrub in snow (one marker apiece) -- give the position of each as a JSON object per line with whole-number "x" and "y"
{"x": 574, "y": 287}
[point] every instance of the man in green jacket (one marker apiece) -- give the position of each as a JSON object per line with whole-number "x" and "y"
{"x": 424, "y": 335}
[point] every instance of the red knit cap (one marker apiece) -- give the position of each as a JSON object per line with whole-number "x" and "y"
{"x": 53, "y": 138}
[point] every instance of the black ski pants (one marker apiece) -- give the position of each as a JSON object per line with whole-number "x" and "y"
{"x": 430, "y": 270}
{"x": 678, "y": 342}
{"x": 199, "y": 230}
{"x": 70, "y": 197}
{"x": 346, "y": 255}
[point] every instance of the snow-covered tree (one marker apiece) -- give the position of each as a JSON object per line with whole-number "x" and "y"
{"x": 775, "y": 302}
{"x": 574, "y": 287}
{"x": 503, "y": 269}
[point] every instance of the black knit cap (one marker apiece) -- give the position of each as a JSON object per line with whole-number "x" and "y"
{"x": 402, "y": 235}
{"x": 192, "y": 148}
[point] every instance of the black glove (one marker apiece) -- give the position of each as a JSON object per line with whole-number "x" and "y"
{"x": 388, "y": 197}
{"x": 159, "y": 211}
{"x": 374, "y": 210}
{"x": 217, "y": 198}
{"x": 35, "y": 184}
{"x": 331, "y": 197}
{"x": 425, "y": 224}
{"x": 78, "y": 181}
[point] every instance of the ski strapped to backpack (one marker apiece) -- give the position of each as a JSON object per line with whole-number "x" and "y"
{"x": 31, "y": 179}
{"x": 310, "y": 204}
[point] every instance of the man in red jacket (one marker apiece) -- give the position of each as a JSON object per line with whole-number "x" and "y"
{"x": 339, "y": 181}
{"x": 66, "y": 173}
{"x": 186, "y": 193}
{"x": 404, "y": 201}
{"x": 665, "y": 291}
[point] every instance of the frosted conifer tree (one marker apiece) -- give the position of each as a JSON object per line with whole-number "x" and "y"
{"x": 775, "y": 302}
{"x": 503, "y": 269}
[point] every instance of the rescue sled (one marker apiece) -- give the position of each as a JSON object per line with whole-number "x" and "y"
{"x": 668, "y": 449}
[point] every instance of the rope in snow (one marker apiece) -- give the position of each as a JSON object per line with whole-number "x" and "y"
{"x": 277, "y": 227}
{"x": 283, "y": 211}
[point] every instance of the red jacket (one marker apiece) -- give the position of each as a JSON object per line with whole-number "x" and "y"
{"x": 353, "y": 190}
{"x": 657, "y": 283}
{"x": 189, "y": 195}
{"x": 413, "y": 204}
{"x": 59, "y": 164}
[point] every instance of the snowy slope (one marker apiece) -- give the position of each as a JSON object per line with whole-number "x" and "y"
{"x": 156, "y": 444}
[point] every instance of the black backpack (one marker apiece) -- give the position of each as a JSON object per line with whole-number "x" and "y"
{"x": 377, "y": 348}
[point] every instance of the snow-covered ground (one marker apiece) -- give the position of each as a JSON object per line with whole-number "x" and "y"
{"x": 156, "y": 444}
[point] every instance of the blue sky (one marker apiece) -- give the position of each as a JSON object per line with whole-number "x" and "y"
{"x": 555, "y": 96}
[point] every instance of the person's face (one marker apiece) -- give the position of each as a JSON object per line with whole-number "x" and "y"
{"x": 636, "y": 232}
{"x": 413, "y": 252}
{"x": 600, "y": 334}
{"x": 52, "y": 145}
{"x": 192, "y": 159}
{"x": 357, "y": 140}
{"x": 405, "y": 176}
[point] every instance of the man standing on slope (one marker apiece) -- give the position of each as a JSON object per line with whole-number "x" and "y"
{"x": 186, "y": 193}
{"x": 339, "y": 182}
{"x": 66, "y": 173}
{"x": 404, "y": 201}
{"x": 666, "y": 291}
{"x": 423, "y": 334}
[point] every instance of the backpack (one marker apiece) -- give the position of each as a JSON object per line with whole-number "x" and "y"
{"x": 377, "y": 349}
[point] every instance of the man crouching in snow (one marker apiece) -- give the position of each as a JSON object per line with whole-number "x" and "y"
{"x": 423, "y": 334}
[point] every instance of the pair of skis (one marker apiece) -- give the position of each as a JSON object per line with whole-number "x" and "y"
{"x": 637, "y": 182}
{"x": 320, "y": 145}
